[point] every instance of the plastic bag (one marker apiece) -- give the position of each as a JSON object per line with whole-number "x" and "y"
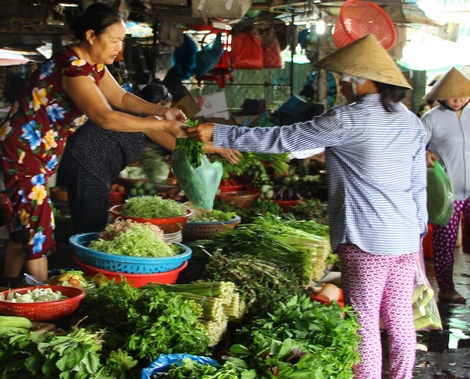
{"x": 425, "y": 312}
{"x": 271, "y": 50}
{"x": 184, "y": 58}
{"x": 199, "y": 184}
{"x": 440, "y": 196}
{"x": 246, "y": 53}
{"x": 164, "y": 361}
{"x": 208, "y": 57}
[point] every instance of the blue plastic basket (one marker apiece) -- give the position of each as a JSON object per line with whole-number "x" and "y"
{"x": 122, "y": 263}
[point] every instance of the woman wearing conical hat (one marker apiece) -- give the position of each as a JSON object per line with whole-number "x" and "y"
{"x": 448, "y": 135}
{"x": 376, "y": 164}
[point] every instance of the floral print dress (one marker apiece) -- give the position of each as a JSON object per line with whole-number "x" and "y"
{"x": 32, "y": 140}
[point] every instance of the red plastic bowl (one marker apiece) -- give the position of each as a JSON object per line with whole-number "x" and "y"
{"x": 168, "y": 225}
{"x": 136, "y": 280}
{"x": 231, "y": 188}
{"x": 45, "y": 310}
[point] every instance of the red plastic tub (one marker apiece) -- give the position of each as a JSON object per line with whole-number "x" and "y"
{"x": 136, "y": 280}
{"x": 168, "y": 225}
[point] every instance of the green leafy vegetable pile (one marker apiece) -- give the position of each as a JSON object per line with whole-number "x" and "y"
{"x": 144, "y": 322}
{"x": 250, "y": 161}
{"x": 201, "y": 215}
{"x": 153, "y": 207}
{"x": 301, "y": 339}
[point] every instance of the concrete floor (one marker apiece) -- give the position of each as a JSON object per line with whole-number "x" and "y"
{"x": 448, "y": 351}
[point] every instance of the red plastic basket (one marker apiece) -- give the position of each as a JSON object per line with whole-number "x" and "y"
{"x": 168, "y": 225}
{"x": 45, "y": 310}
{"x": 359, "y": 18}
{"x": 136, "y": 280}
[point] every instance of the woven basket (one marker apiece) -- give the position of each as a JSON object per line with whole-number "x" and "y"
{"x": 44, "y": 310}
{"x": 205, "y": 230}
{"x": 122, "y": 263}
{"x": 242, "y": 199}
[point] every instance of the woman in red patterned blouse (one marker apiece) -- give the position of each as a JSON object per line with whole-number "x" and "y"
{"x": 67, "y": 89}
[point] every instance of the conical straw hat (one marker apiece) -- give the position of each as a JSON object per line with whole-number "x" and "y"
{"x": 367, "y": 59}
{"x": 452, "y": 85}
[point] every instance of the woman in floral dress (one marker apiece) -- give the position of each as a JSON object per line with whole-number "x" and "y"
{"x": 67, "y": 89}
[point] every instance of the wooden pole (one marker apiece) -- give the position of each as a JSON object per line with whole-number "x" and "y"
{"x": 322, "y": 87}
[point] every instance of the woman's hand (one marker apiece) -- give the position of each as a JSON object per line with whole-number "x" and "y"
{"x": 175, "y": 128}
{"x": 202, "y": 132}
{"x": 430, "y": 158}
{"x": 232, "y": 156}
{"x": 174, "y": 114}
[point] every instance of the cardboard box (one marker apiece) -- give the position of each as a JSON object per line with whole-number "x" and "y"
{"x": 213, "y": 105}
{"x": 171, "y": 35}
{"x": 188, "y": 105}
{"x": 221, "y": 8}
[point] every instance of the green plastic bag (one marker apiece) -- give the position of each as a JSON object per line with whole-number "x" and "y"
{"x": 199, "y": 184}
{"x": 440, "y": 196}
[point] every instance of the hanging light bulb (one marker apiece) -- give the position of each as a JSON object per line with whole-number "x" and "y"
{"x": 320, "y": 26}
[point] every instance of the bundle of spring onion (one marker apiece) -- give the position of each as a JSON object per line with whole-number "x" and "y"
{"x": 425, "y": 313}
{"x": 220, "y": 303}
{"x": 126, "y": 237}
{"x": 261, "y": 283}
{"x": 303, "y": 234}
{"x": 256, "y": 241}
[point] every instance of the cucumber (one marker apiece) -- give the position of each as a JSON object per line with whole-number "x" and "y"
{"x": 16, "y": 321}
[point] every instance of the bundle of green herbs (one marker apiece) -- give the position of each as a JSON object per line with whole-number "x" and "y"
{"x": 190, "y": 147}
{"x": 144, "y": 322}
{"x": 248, "y": 160}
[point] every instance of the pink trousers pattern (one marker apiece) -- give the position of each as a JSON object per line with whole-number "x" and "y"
{"x": 380, "y": 287}
{"x": 443, "y": 246}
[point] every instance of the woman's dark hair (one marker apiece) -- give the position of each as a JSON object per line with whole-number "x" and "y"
{"x": 390, "y": 95}
{"x": 156, "y": 93}
{"x": 97, "y": 17}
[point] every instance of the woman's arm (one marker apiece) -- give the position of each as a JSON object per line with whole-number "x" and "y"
{"x": 93, "y": 102}
{"x": 162, "y": 139}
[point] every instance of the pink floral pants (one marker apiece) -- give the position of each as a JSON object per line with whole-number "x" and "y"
{"x": 380, "y": 287}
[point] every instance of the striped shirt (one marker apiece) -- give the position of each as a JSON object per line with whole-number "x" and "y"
{"x": 376, "y": 167}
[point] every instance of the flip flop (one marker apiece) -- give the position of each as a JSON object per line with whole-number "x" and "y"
{"x": 452, "y": 297}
